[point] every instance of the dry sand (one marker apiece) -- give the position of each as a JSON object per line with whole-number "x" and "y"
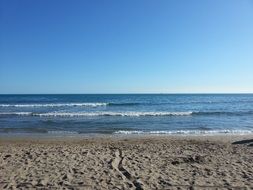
{"x": 127, "y": 163}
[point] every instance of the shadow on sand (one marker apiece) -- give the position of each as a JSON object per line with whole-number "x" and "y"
{"x": 248, "y": 142}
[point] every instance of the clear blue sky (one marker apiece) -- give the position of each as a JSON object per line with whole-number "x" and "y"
{"x": 130, "y": 46}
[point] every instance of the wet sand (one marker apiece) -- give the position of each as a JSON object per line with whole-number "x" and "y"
{"x": 164, "y": 162}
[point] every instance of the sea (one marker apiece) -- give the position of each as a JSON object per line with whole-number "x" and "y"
{"x": 126, "y": 114}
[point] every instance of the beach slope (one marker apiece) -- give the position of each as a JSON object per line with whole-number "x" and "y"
{"x": 127, "y": 163}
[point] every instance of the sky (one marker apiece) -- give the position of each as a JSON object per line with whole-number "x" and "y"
{"x": 126, "y": 46}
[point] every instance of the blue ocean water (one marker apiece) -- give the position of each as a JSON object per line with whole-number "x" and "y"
{"x": 127, "y": 114}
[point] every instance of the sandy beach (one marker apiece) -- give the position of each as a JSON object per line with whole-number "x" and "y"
{"x": 164, "y": 162}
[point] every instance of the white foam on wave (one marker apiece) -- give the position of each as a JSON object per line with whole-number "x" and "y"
{"x": 56, "y": 105}
{"x": 122, "y": 114}
{"x": 62, "y": 132}
{"x": 186, "y": 132}
{"x": 16, "y": 113}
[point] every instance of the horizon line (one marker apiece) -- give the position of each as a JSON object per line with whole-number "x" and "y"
{"x": 132, "y": 93}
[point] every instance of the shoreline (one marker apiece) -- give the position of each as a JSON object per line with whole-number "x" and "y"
{"x": 52, "y": 137}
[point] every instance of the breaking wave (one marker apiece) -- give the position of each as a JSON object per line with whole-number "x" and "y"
{"x": 90, "y": 114}
{"x": 56, "y": 105}
{"x": 125, "y": 104}
{"x": 16, "y": 113}
{"x": 123, "y": 114}
{"x": 186, "y": 132}
{"x": 88, "y": 104}
{"x": 62, "y": 132}
{"x": 126, "y": 114}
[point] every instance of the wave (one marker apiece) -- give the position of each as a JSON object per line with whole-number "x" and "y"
{"x": 62, "y": 132}
{"x": 56, "y": 105}
{"x": 70, "y": 104}
{"x": 140, "y": 114}
{"x": 16, "y": 113}
{"x": 185, "y": 132}
{"x": 127, "y": 114}
{"x": 122, "y": 114}
{"x": 92, "y": 114}
{"x": 125, "y": 104}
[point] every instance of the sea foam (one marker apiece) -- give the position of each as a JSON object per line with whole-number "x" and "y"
{"x": 16, "y": 113}
{"x": 122, "y": 114}
{"x": 55, "y": 105}
{"x": 185, "y": 132}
